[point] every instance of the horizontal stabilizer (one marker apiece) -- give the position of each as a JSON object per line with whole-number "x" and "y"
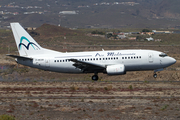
{"x": 21, "y": 57}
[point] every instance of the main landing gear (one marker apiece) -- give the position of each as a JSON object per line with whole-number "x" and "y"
{"x": 155, "y": 75}
{"x": 95, "y": 77}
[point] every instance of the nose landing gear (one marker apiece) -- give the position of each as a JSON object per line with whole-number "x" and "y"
{"x": 155, "y": 75}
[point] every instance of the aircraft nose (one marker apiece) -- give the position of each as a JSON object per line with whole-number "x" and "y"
{"x": 168, "y": 61}
{"x": 173, "y": 61}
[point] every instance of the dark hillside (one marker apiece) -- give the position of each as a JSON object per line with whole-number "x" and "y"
{"x": 33, "y": 20}
{"x": 169, "y": 9}
{"x": 47, "y": 30}
{"x": 63, "y": 39}
{"x": 56, "y": 37}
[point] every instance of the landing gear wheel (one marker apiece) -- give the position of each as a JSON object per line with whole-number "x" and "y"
{"x": 95, "y": 77}
{"x": 155, "y": 75}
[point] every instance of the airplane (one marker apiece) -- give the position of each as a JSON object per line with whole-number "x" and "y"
{"x": 112, "y": 62}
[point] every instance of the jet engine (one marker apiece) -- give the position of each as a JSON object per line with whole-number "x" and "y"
{"x": 116, "y": 69}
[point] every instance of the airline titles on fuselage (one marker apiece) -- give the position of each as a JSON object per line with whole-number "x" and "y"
{"x": 114, "y": 54}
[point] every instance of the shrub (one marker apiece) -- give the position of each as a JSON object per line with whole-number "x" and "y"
{"x": 164, "y": 107}
{"x": 130, "y": 87}
{"x": 146, "y": 30}
{"x": 97, "y": 32}
{"x": 6, "y": 117}
{"x": 74, "y": 88}
{"x": 109, "y": 87}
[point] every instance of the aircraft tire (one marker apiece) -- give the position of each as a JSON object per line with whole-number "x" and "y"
{"x": 95, "y": 77}
{"x": 155, "y": 75}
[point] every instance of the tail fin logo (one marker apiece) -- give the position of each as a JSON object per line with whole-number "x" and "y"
{"x": 35, "y": 47}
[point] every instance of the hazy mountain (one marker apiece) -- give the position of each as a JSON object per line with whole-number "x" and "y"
{"x": 95, "y": 13}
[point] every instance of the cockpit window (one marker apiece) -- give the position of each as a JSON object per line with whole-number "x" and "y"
{"x": 162, "y": 55}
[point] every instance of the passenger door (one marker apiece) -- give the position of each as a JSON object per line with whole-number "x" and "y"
{"x": 47, "y": 63}
{"x": 150, "y": 57}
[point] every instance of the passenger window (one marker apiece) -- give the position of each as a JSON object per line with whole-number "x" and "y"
{"x": 134, "y": 57}
{"x": 117, "y": 58}
{"x": 131, "y": 57}
{"x": 122, "y": 57}
{"x": 93, "y": 58}
{"x": 54, "y": 60}
{"x": 57, "y": 60}
{"x": 125, "y": 57}
{"x": 128, "y": 57}
{"x": 139, "y": 56}
{"x": 99, "y": 58}
{"x": 96, "y": 58}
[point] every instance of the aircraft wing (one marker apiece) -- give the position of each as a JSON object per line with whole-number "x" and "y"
{"x": 87, "y": 66}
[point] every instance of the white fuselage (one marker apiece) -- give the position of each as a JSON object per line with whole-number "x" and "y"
{"x": 133, "y": 60}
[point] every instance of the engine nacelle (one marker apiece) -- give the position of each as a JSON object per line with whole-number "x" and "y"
{"x": 116, "y": 69}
